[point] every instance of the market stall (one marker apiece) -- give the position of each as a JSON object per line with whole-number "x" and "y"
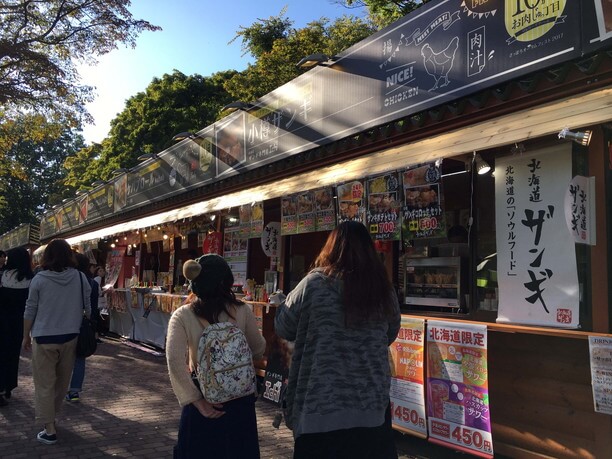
{"x": 485, "y": 187}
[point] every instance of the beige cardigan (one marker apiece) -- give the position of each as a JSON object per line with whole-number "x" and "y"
{"x": 184, "y": 330}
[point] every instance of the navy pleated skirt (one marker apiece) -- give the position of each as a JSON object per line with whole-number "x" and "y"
{"x": 232, "y": 436}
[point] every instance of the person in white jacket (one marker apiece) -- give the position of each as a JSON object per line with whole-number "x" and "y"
{"x": 222, "y": 431}
{"x": 58, "y": 296}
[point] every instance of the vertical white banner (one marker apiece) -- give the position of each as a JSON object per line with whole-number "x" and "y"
{"x": 536, "y": 258}
{"x": 580, "y": 209}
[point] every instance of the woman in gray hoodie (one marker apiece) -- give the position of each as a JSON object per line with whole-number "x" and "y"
{"x": 51, "y": 322}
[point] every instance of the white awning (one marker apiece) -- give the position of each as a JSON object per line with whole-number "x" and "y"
{"x": 574, "y": 112}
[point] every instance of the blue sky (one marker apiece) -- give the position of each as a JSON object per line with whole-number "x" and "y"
{"x": 194, "y": 39}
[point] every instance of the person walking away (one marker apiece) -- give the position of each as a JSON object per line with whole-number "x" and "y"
{"x": 342, "y": 317}
{"x": 14, "y": 285}
{"x": 99, "y": 275}
{"x": 227, "y": 430}
{"x": 51, "y": 323}
{"x": 78, "y": 372}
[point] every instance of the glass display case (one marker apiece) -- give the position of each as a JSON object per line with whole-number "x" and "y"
{"x": 432, "y": 283}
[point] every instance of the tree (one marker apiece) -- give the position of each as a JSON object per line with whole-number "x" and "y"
{"x": 277, "y": 65}
{"x": 171, "y": 104}
{"x": 31, "y": 171}
{"x": 42, "y": 40}
{"x": 384, "y": 12}
{"x": 260, "y": 37}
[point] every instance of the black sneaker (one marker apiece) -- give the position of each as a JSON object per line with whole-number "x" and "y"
{"x": 7, "y": 394}
{"x": 3, "y": 401}
{"x": 45, "y": 438}
{"x": 72, "y": 397}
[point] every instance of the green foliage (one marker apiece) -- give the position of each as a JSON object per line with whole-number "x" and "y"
{"x": 42, "y": 41}
{"x": 384, "y": 12}
{"x": 171, "y": 104}
{"x": 277, "y": 66}
{"x": 31, "y": 169}
{"x": 260, "y": 37}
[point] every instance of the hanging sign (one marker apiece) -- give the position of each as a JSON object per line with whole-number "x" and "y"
{"x": 324, "y": 205}
{"x": 580, "y": 209}
{"x": 423, "y": 210}
{"x": 351, "y": 201}
{"x": 289, "y": 219}
{"x": 383, "y": 210}
{"x": 536, "y": 255}
{"x": 212, "y": 243}
{"x": 270, "y": 239}
{"x": 251, "y": 219}
{"x": 306, "y": 216}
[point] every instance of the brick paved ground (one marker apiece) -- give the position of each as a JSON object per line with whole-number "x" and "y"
{"x": 127, "y": 410}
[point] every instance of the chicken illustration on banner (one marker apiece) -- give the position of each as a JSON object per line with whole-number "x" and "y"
{"x": 438, "y": 64}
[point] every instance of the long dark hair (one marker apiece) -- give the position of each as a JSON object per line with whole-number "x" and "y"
{"x": 19, "y": 260}
{"x": 83, "y": 264}
{"x": 349, "y": 255}
{"x": 58, "y": 256}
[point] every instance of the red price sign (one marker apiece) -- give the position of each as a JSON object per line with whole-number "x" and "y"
{"x": 428, "y": 223}
{"x": 404, "y": 415}
{"x": 471, "y": 438}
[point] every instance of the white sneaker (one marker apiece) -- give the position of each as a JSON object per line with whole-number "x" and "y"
{"x": 45, "y": 438}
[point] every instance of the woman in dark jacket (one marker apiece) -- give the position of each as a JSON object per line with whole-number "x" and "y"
{"x": 14, "y": 285}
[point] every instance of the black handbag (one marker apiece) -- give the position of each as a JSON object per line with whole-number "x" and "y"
{"x": 86, "y": 342}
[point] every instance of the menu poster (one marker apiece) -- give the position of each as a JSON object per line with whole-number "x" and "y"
{"x": 235, "y": 249}
{"x": 408, "y": 378}
{"x": 289, "y": 215}
{"x": 257, "y": 219}
{"x": 600, "y": 348}
{"x": 383, "y": 214}
{"x": 251, "y": 219}
{"x": 457, "y": 387}
{"x": 423, "y": 209}
{"x": 114, "y": 263}
{"x": 351, "y": 201}
{"x": 234, "y": 245}
{"x": 306, "y": 216}
{"x": 324, "y": 208}
{"x": 244, "y": 219}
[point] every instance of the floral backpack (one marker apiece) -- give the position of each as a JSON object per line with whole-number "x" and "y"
{"x": 225, "y": 363}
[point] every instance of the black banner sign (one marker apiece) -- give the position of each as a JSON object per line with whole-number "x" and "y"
{"x": 100, "y": 203}
{"x": 442, "y": 51}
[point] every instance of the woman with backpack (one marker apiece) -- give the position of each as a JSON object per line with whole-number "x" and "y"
{"x": 211, "y": 429}
{"x": 342, "y": 317}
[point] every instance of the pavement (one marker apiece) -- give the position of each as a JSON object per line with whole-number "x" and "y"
{"x": 128, "y": 410}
